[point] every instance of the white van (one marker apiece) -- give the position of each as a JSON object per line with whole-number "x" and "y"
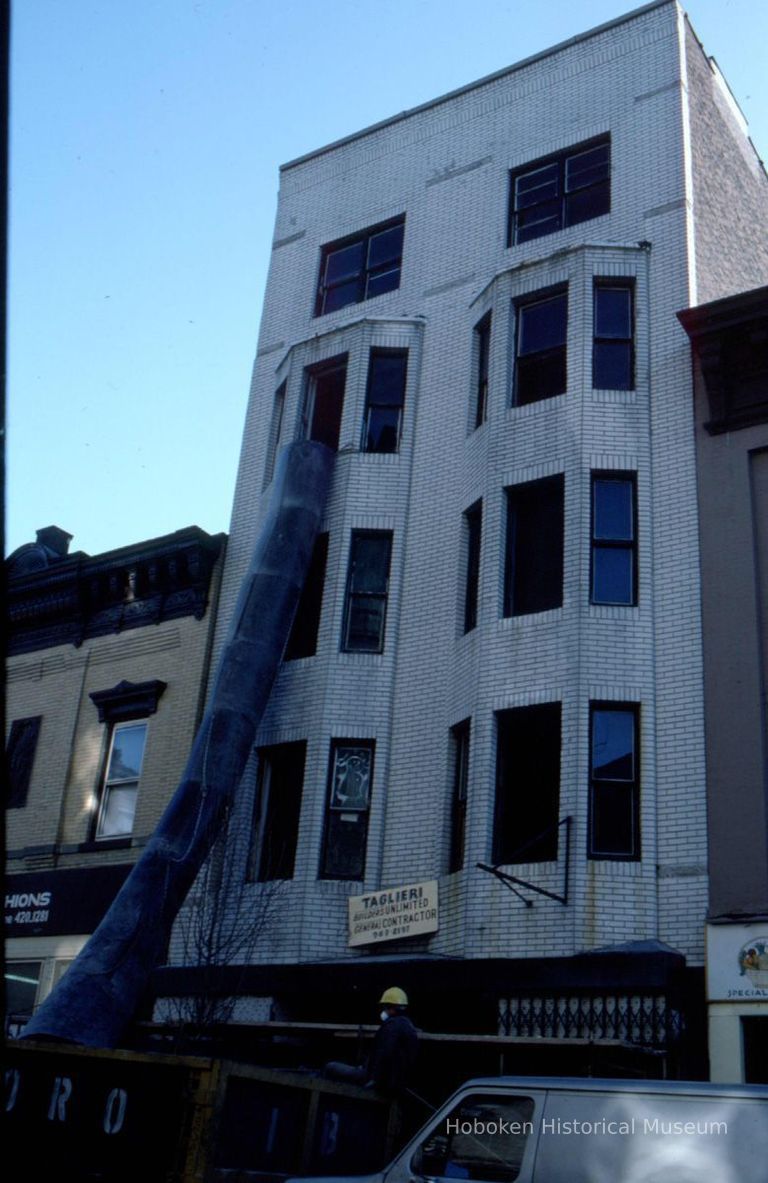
{"x": 556, "y": 1130}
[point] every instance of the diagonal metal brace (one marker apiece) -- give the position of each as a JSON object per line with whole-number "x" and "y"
{"x": 508, "y": 879}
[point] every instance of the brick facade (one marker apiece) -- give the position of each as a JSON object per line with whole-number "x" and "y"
{"x": 643, "y": 81}
{"x": 136, "y": 622}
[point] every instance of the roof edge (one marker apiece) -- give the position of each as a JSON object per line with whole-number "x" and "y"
{"x": 725, "y": 311}
{"x": 453, "y": 94}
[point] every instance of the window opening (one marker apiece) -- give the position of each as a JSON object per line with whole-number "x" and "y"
{"x": 559, "y": 191}
{"x": 360, "y": 267}
{"x": 385, "y": 399}
{"x": 367, "y": 591}
{"x": 535, "y": 540}
{"x": 541, "y": 365}
{"x": 324, "y": 402}
{"x": 348, "y": 805}
{"x": 614, "y": 781}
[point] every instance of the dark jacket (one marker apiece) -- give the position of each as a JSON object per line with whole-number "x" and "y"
{"x": 393, "y": 1054}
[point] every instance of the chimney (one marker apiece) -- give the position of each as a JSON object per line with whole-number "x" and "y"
{"x": 54, "y": 539}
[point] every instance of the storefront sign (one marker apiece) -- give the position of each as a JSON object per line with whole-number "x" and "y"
{"x": 52, "y": 903}
{"x": 393, "y": 913}
{"x": 737, "y": 962}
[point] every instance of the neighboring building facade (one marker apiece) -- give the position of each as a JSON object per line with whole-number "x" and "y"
{"x": 108, "y": 661}
{"x": 498, "y": 657}
{"x": 729, "y": 339}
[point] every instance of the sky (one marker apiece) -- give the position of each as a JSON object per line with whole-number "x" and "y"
{"x": 145, "y": 142}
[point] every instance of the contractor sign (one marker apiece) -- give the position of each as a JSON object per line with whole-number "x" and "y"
{"x": 393, "y": 913}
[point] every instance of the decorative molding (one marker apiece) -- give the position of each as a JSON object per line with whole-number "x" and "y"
{"x": 729, "y": 340}
{"x": 128, "y": 700}
{"x": 77, "y": 597}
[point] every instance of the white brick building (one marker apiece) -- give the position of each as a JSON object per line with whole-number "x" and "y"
{"x": 477, "y": 299}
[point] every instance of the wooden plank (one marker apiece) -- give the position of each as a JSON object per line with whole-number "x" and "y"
{"x": 351, "y": 1031}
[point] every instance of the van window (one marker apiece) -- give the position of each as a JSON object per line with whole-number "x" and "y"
{"x": 483, "y": 1137}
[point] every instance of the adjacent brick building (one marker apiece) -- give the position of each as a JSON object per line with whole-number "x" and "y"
{"x": 108, "y": 660}
{"x": 499, "y": 656}
{"x": 729, "y": 340}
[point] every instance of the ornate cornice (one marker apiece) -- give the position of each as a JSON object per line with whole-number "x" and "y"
{"x": 78, "y": 596}
{"x": 729, "y": 340}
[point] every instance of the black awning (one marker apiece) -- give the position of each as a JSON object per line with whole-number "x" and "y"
{"x": 648, "y": 968}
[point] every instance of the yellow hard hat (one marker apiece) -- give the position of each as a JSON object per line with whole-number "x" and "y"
{"x": 394, "y": 996}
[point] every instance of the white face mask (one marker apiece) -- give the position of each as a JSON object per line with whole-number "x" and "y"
{"x": 384, "y": 1016}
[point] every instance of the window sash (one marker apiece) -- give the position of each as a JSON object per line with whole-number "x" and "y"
{"x": 385, "y": 399}
{"x": 613, "y": 347}
{"x": 542, "y": 324}
{"x": 385, "y": 247}
{"x": 585, "y": 170}
{"x": 345, "y": 836}
{"x": 367, "y": 591}
{"x": 117, "y": 806}
{"x": 541, "y": 348}
{"x": 366, "y": 615}
{"x": 613, "y": 575}
{"x": 361, "y": 267}
{"x": 344, "y": 263}
{"x": 614, "y": 787}
{"x": 351, "y": 777}
{"x": 118, "y": 809}
{"x": 552, "y": 194}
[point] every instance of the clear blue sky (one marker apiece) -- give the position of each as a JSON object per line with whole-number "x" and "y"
{"x": 146, "y": 137}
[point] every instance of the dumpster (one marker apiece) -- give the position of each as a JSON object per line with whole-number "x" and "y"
{"x": 119, "y": 1116}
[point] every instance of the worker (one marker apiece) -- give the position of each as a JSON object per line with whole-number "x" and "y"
{"x": 393, "y": 1053}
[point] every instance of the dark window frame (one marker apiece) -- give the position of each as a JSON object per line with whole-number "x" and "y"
{"x": 519, "y": 814}
{"x": 352, "y": 597}
{"x": 338, "y": 814}
{"x": 461, "y": 738}
{"x": 20, "y": 752}
{"x": 618, "y": 476}
{"x": 602, "y": 340}
{"x": 312, "y": 427}
{"x": 600, "y": 785}
{"x": 371, "y": 405}
{"x": 559, "y": 195}
{"x": 275, "y": 427}
{"x": 521, "y": 576}
{"x": 482, "y": 358}
{"x": 547, "y": 367}
{"x": 358, "y": 281}
{"x": 473, "y": 538}
{"x": 265, "y": 864}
